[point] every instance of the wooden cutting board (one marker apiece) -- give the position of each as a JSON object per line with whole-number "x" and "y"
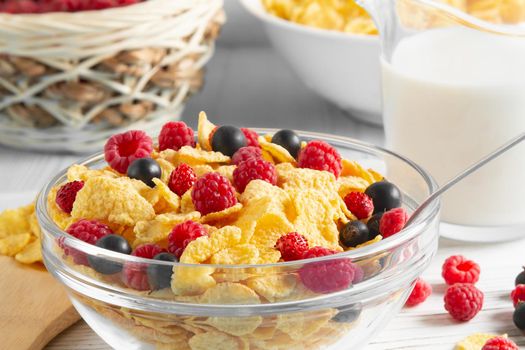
{"x": 34, "y": 307}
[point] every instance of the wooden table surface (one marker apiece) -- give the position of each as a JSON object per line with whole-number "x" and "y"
{"x": 251, "y": 86}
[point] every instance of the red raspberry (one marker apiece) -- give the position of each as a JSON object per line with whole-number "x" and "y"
{"x": 518, "y": 294}
{"x": 500, "y": 343}
{"x": 134, "y": 274}
{"x": 292, "y": 246}
{"x": 19, "y": 6}
{"x": 122, "y": 149}
{"x": 67, "y": 194}
{"x": 89, "y": 231}
{"x": 253, "y": 169}
{"x": 463, "y": 301}
{"x": 175, "y": 135}
{"x": 182, "y": 179}
{"x": 420, "y": 293}
{"x": 182, "y": 235}
{"x": 360, "y": 204}
{"x": 319, "y": 155}
{"x": 213, "y": 192}
{"x": 326, "y": 276}
{"x": 457, "y": 269}
{"x": 245, "y": 153}
{"x": 392, "y": 222}
{"x": 252, "y": 138}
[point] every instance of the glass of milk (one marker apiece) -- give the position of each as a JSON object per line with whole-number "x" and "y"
{"x": 453, "y": 91}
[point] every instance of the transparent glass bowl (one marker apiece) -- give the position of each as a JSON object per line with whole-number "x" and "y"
{"x": 254, "y": 306}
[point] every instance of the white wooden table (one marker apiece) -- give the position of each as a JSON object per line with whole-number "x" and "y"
{"x": 250, "y": 86}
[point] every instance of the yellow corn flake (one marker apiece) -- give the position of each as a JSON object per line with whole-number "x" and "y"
{"x": 273, "y": 287}
{"x": 193, "y": 156}
{"x": 349, "y": 184}
{"x": 253, "y": 211}
{"x": 259, "y": 188}
{"x": 82, "y": 173}
{"x": 166, "y": 169}
{"x": 475, "y": 341}
{"x": 279, "y": 153}
{"x": 31, "y": 253}
{"x": 267, "y": 156}
{"x": 113, "y": 200}
{"x": 377, "y": 176}
{"x": 268, "y": 255}
{"x": 216, "y": 341}
{"x": 237, "y": 326}
{"x": 270, "y": 227}
{"x": 237, "y": 255}
{"x": 158, "y": 229}
{"x": 193, "y": 281}
{"x": 223, "y": 215}
{"x": 315, "y": 218}
{"x": 297, "y": 325}
{"x": 226, "y": 171}
{"x": 34, "y": 226}
{"x": 290, "y": 177}
{"x": 353, "y": 168}
{"x": 12, "y": 245}
{"x": 186, "y": 203}
{"x": 201, "y": 170}
{"x": 16, "y": 221}
{"x": 204, "y": 130}
{"x": 168, "y": 201}
{"x": 230, "y": 294}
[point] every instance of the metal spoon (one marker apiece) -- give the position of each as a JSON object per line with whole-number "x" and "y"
{"x": 480, "y": 163}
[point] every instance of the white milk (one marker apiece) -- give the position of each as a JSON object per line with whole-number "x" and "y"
{"x": 450, "y": 97}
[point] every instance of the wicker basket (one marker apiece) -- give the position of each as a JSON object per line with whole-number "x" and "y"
{"x": 68, "y": 80}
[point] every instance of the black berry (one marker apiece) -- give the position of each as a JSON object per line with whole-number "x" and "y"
{"x": 348, "y": 313}
{"x": 159, "y": 276}
{"x": 385, "y": 196}
{"x": 353, "y": 234}
{"x": 227, "y": 140}
{"x": 520, "y": 278}
{"x": 373, "y": 225}
{"x": 289, "y": 140}
{"x": 519, "y": 316}
{"x": 114, "y": 243}
{"x": 145, "y": 170}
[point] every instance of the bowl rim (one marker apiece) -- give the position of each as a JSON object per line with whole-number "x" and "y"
{"x": 268, "y": 18}
{"x": 385, "y": 244}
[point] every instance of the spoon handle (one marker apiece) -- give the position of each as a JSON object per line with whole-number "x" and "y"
{"x": 480, "y": 163}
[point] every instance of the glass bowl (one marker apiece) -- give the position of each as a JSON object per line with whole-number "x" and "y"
{"x": 289, "y": 305}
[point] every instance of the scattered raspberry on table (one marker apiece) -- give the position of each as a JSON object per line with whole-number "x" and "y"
{"x": 500, "y": 343}
{"x": 463, "y": 301}
{"x": 420, "y": 293}
{"x": 458, "y": 269}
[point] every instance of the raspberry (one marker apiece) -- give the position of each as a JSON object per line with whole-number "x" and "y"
{"x": 457, "y": 269}
{"x": 392, "y": 222}
{"x": 319, "y": 155}
{"x": 253, "y": 169}
{"x": 67, "y": 194}
{"x": 182, "y": 235}
{"x": 122, "y": 149}
{"x": 251, "y": 137}
{"x": 463, "y": 301}
{"x": 500, "y": 343}
{"x": 134, "y": 274}
{"x": 245, "y": 153}
{"x": 182, "y": 179}
{"x": 175, "y": 135}
{"x": 89, "y": 231}
{"x": 213, "y": 192}
{"x": 19, "y": 6}
{"x": 420, "y": 293}
{"x": 292, "y": 246}
{"x": 359, "y": 204}
{"x": 518, "y": 294}
{"x": 326, "y": 276}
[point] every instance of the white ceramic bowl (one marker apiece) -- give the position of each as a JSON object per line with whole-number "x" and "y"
{"x": 343, "y": 68}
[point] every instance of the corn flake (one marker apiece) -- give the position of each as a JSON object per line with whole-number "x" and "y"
{"x": 13, "y": 244}
{"x": 113, "y": 200}
{"x": 222, "y": 215}
{"x": 214, "y": 340}
{"x": 204, "y": 130}
{"x": 273, "y": 287}
{"x": 193, "y": 156}
{"x": 31, "y": 253}
{"x": 186, "y": 203}
{"x": 158, "y": 229}
{"x": 238, "y": 255}
{"x": 278, "y": 153}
